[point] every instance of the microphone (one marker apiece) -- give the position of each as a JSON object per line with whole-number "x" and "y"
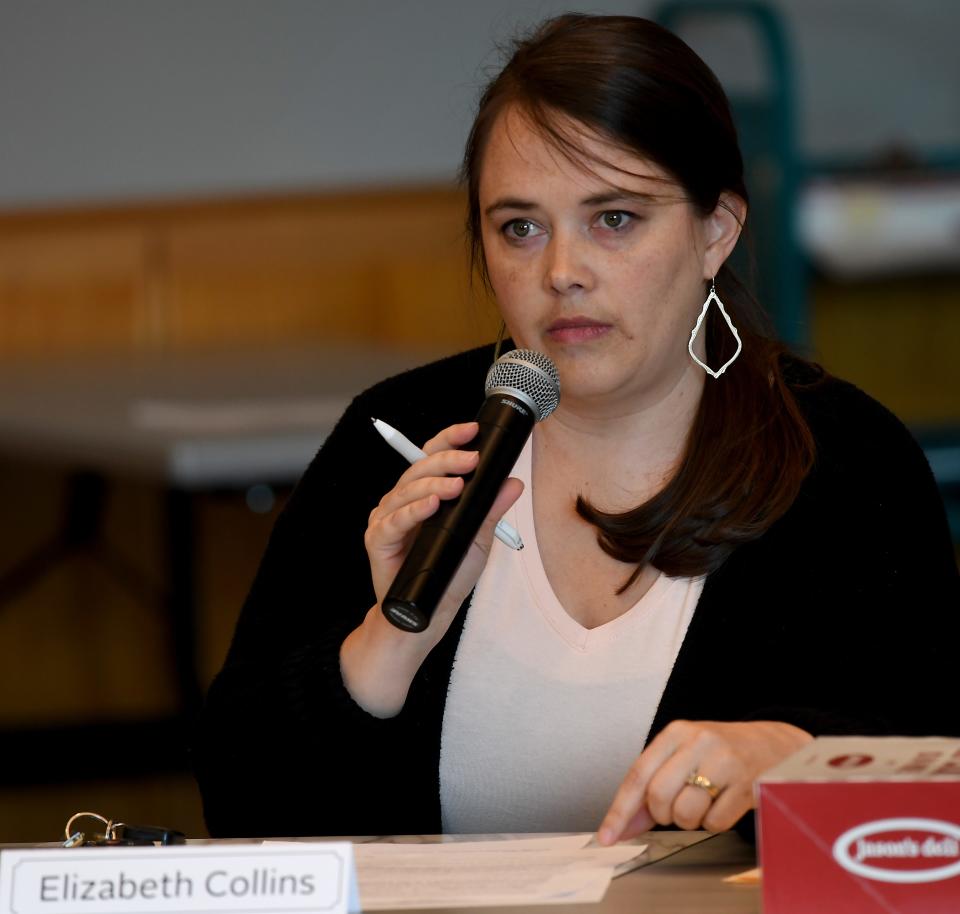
{"x": 522, "y": 387}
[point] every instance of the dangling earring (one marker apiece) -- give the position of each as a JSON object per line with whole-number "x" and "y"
{"x": 714, "y": 297}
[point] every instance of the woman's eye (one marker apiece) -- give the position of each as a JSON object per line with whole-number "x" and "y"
{"x": 520, "y": 228}
{"x": 615, "y": 219}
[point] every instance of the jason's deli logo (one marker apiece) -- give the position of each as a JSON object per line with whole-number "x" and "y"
{"x": 901, "y": 850}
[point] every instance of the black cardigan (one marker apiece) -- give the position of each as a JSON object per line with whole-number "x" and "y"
{"x": 843, "y": 618}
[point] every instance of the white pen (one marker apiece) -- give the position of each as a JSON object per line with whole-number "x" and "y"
{"x": 411, "y": 453}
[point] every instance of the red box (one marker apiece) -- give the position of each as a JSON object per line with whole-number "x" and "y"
{"x": 862, "y": 825}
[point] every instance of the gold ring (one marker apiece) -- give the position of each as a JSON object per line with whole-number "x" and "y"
{"x": 695, "y": 779}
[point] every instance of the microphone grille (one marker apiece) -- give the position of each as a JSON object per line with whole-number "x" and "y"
{"x": 531, "y": 375}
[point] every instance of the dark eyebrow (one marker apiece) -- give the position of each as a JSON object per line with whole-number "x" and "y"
{"x": 509, "y": 203}
{"x": 612, "y": 196}
{"x": 615, "y": 196}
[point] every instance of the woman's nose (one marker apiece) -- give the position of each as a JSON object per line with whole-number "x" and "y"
{"x": 566, "y": 269}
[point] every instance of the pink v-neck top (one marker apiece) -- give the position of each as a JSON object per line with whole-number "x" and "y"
{"x": 543, "y": 716}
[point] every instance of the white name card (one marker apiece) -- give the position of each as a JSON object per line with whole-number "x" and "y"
{"x": 245, "y": 879}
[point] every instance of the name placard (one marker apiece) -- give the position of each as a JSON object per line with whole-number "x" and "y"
{"x": 309, "y": 878}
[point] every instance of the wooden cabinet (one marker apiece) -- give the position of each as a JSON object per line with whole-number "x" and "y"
{"x": 385, "y": 266}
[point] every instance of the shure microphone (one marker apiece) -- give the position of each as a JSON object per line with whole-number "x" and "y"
{"x": 522, "y": 388}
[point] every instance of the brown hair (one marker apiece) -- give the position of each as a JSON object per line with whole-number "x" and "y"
{"x": 750, "y": 447}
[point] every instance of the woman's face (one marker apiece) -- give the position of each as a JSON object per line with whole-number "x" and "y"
{"x": 602, "y": 267}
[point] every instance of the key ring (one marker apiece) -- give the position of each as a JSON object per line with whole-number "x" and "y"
{"x": 76, "y": 838}
{"x": 119, "y": 833}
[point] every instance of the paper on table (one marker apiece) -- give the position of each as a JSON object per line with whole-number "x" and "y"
{"x": 487, "y": 873}
{"x": 749, "y": 877}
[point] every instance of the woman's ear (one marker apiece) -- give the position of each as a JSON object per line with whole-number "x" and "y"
{"x": 723, "y": 227}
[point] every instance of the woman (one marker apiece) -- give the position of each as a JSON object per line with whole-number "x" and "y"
{"x": 717, "y": 566}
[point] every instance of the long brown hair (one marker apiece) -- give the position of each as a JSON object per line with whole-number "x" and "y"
{"x": 750, "y": 447}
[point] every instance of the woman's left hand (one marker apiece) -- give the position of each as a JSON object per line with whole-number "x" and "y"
{"x": 728, "y": 757}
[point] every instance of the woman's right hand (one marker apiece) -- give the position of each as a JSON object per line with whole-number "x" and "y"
{"x": 378, "y": 660}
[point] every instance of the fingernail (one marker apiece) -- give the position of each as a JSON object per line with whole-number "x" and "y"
{"x": 606, "y": 835}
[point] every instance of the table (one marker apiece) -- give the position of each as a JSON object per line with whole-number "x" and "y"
{"x": 684, "y": 876}
{"x": 192, "y": 420}
{"x": 690, "y": 881}
{"x": 191, "y": 423}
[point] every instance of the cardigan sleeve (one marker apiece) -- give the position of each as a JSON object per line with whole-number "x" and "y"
{"x": 282, "y": 748}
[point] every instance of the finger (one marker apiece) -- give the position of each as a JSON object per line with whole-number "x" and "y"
{"x": 640, "y": 822}
{"x": 510, "y": 491}
{"x": 444, "y": 487}
{"x": 443, "y": 463}
{"x": 629, "y": 799}
{"x": 452, "y": 437}
{"x": 690, "y": 807}
{"x": 727, "y": 809}
{"x": 670, "y": 794}
{"x": 670, "y": 779}
{"x": 389, "y": 532}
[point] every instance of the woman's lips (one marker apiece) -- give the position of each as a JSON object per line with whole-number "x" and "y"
{"x": 576, "y": 330}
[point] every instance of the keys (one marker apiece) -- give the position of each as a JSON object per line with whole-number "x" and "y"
{"x": 75, "y": 840}
{"x": 145, "y": 834}
{"x": 118, "y": 834}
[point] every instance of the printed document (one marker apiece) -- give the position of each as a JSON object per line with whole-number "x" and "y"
{"x": 495, "y": 872}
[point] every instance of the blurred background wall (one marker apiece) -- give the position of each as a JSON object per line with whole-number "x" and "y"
{"x": 206, "y": 207}
{"x": 105, "y": 100}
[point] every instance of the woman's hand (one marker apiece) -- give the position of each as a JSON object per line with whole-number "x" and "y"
{"x": 378, "y": 661}
{"x": 730, "y": 756}
{"x": 393, "y": 524}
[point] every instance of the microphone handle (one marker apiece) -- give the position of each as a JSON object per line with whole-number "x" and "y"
{"x": 443, "y": 539}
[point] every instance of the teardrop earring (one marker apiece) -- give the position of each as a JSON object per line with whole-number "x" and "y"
{"x": 703, "y": 313}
